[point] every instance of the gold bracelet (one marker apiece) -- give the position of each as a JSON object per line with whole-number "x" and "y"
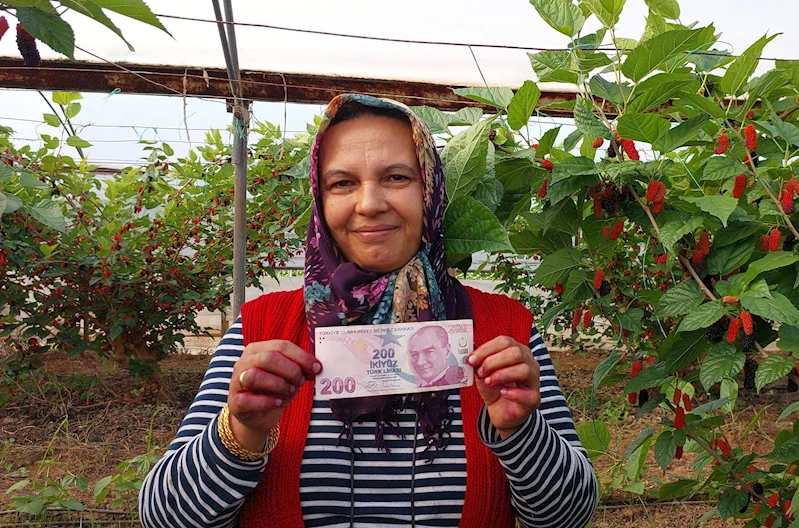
{"x": 232, "y": 445}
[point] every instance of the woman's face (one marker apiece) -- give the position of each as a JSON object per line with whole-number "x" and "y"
{"x": 371, "y": 188}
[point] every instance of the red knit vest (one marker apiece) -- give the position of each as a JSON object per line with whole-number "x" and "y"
{"x": 275, "y": 502}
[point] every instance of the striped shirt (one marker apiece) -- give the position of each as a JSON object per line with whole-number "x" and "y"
{"x": 199, "y": 483}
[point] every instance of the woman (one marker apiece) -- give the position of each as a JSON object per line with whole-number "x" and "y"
{"x": 480, "y": 456}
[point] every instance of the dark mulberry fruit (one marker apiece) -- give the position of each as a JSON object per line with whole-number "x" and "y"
{"x": 27, "y": 48}
{"x": 643, "y": 397}
{"x": 757, "y": 487}
{"x": 714, "y": 332}
{"x": 750, "y": 368}
{"x": 611, "y": 150}
{"x": 787, "y": 244}
{"x": 792, "y": 386}
{"x": 747, "y": 342}
{"x": 604, "y": 288}
{"x": 609, "y": 204}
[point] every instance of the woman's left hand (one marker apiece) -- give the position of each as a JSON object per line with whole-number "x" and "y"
{"x": 507, "y": 378}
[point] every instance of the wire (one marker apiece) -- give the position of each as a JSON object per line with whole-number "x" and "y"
{"x": 412, "y": 41}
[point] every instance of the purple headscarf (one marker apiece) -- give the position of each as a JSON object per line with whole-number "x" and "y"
{"x": 338, "y": 292}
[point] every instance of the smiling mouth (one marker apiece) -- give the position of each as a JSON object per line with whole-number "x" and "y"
{"x": 375, "y": 233}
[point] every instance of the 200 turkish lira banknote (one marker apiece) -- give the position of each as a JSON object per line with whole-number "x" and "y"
{"x": 378, "y": 360}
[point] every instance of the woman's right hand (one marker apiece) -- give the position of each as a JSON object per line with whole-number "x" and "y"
{"x": 272, "y": 373}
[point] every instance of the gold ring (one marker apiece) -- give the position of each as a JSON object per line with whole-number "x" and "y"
{"x": 241, "y": 379}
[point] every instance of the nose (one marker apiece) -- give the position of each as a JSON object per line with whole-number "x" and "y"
{"x": 371, "y": 199}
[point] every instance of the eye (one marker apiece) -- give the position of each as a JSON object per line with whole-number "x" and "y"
{"x": 340, "y": 184}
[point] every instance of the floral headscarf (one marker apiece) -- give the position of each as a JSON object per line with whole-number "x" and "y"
{"x": 338, "y": 292}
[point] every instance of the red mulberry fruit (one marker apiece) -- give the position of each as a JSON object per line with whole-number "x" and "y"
{"x": 678, "y": 453}
{"x": 732, "y": 331}
{"x": 547, "y": 165}
{"x": 679, "y": 418}
{"x": 636, "y": 368}
{"x": 597, "y": 143}
{"x": 750, "y": 114}
{"x": 729, "y": 299}
{"x": 787, "y": 202}
{"x": 697, "y": 257}
{"x": 661, "y": 192}
{"x": 724, "y": 143}
{"x": 629, "y": 148}
{"x": 703, "y": 244}
{"x": 751, "y": 137}
{"x": 723, "y": 447}
{"x": 27, "y": 48}
{"x": 632, "y": 398}
{"x": 686, "y": 402}
{"x": 588, "y": 319}
{"x": 558, "y": 288}
{"x": 774, "y": 499}
{"x": 578, "y": 314}
{"x": 657, "y": 207}
{"x": 740, "y": 186}
{"x": 542, "y": 192}
{"x": 746, "y": 319}
{"x": 3, "y": 26}
{"x": 764, "y": 243}
{"x": 677, "y": 397}
{"x": 617, "y": 229}
{"x": 598, "y": 208}
{"x": 599, "y": 276}
{"x": 792, "y": 185}
{"x": 606, "y": 232}
{"x": 774, "y": 240}
{"x": 651, "y": 190}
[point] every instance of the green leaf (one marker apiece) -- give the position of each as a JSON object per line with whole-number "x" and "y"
{"x": 683, "y": 349}
{"x": 64, "y": 98}
{"x": 728, "y": 258}
{"x": 34, "y": 506}
{"x": 710, "y": 406}
{"x": 49, "y": 28}
{"x": 663, "y": 90}
{"x": 466, "y": 116}
{"x": 704, "y": 104}
{"x": 556, "y": 266}
{"x": 436, "y": 120}
{"x": 553, "y": 66}
{"x": 9, "y": 203}
{"x": 595, "y": 437}
{"x": 470, "y": 226}
{"x": 702, "y": 316}
{"x": 643, "y": 127}
{"x": 18, "y": 486}
{"x": 52, "y": 120}
{"x": 738, "y": 73}
{"x": 561, "y": 15}
{"x": 773, "y": 368}
{"x": 652, "y": 54}
{"x": 499, "y": 97}
{"x": 607, "y": 11}
{"x": 135, "y": 9}
{"x": 671, "y": 232}
{"x": 101, "y": 489}
{"x": 547, "y": 141}
{"x": 680, "y": 299}
{"x": 30, "y": 181}
{"x": 789, "y": 335}
{"x": 729, "y": 390}
{"x": 92, "y": 10}
{"x": 71, "y": 110}
{"x": 608, "y": 90}
{"x": 792, "y": 408}
{"x": 653, "y": 376}
{"x": 774, "y": 260}
{"x": 681, "y": 134}
{"x": 665, "y": 449}
{"x": 787, "y": 452}
{"x": 588, "y": 123}
{"x": 464, "y": 159}
{"x": 72, "y": 504}
{"x": 666, "y": 8}
{"x": 719, "y": 206}
{"x": 678, "y": 489}
{"x": 50, "y": 214}
{"x": 788, "y": 131}
{"x": 721, "y": 168}
{"x": 731, "y": 503}
{"x": 75, "y": 141}
{"x": 602, "y": 370}
{"x": 574, "y": 166}
{"x": 522, "y": 105}
{"x": 488, "y": 192}
{"x": 779, "y": 308}
{"x": 722, "y": 361}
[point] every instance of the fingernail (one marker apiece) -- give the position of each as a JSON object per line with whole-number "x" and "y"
{"x": 278, "y": 402}
{"x": 471, "y": 360}
{"x": 481, "y": 372}
{"x": 292, "y": 388}
{"x": 488, "y": 380}
{"x": 503, "y": 391}
{"x": 317, "y": 368}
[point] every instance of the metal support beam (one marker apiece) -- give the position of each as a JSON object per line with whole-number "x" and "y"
{"x": 83, "y": 76}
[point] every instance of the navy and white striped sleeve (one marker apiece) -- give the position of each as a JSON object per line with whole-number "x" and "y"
{"x": 198, "y": 482}
{"x": 551, "y": 478}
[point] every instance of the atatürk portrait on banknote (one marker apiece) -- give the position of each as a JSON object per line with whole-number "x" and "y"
{"x": 430, "y": 350}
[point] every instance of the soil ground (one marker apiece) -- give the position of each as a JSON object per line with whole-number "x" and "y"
{"x": 86, "y": 417}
